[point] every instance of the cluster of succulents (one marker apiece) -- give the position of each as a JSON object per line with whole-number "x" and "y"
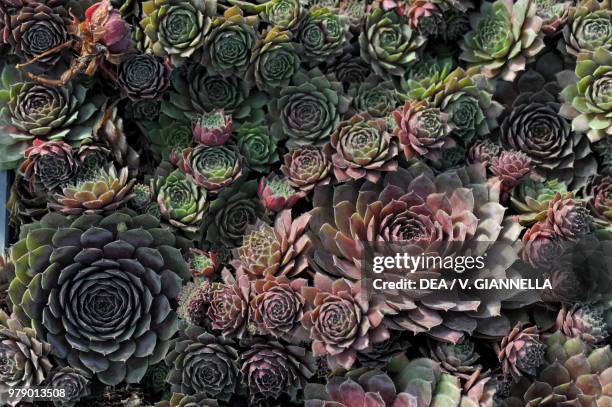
{"x": 197, "y": 188}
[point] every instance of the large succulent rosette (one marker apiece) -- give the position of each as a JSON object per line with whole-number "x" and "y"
{"x": 533, "y": 126}
{"x": 307, "y": 167}
{"x": 505, "y": 36}
{"x": 101, "y": 290}
{"x": 587, "y": 95}
{"x": 389, "y": 44}
{"x": 143, "y": 76}
{"x": 49, "y": 163}
{"x": 414, "y": 210}
{"x": 308, "y": 110}
{"x": 177, "y": 27}
{"x": 202, "y": 364}
{"x": 213, "y": 168}
{"x": 29, "y": 110}
{"x": 37, "y": 28}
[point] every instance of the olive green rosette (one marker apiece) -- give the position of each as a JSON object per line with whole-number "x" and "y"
{"x": 505, "y": 36}
{"x": 181, "y": 202}
{"x": 195, "y": 90}
{"x": 589, "y": 28}
{"x": 532, "y": 198}
{"x": 257, "y": 147}
{"x": 308, "y": 110}
{"x": 228, "y": 46}
{"x": 374, "y": 96}
{"x": 30, "y": 110}
{"x": 388, "y": 44}
{"x": 168, "y": 135}
{"x": 465, "y": 95}
{"x": 229, "y": 215}
{"x": 587, "y": 95}
{"x": 323, "y": 34}
{"x": 101, "y": 290}
{"x": 177, "y": 27}
{"x": 274, "y": 61}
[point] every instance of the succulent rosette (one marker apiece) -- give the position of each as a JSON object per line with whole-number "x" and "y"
{"x": 181, "y": 202}
{"x": 483, "y": 151}
{"x": 212, "y": 129}
{"x": 202, "y": 263}
{"x": 7, "y": 8}
{"x": 511, "y": 167}
{"x": 342, "y": 319}
{"x": 598, "y": 193}
{"x": 350, "y": 70}
{"x": 228, "y": 46}
{"x": 307, "y": 166}
{"x": 583, "y": 321}
{"x": 308, "y": 110}
{"x": 278, "y": 306}
{"x": 37, "y": 28}
{"x": 521, "y": 352}
{"x": 374, "y": 96}
{"x": 534, "y": 127}
{"x": 195, "y": 90}
{"x": 278, "y": 250}
{"x": 103, "y": 291}
{"x": 422, "y": 130}
{"x": 181, "y": 400}
{"x": 213, "y": 168}
{"x": 322, "y": 33}
{"x": 233, "y": 210}
{"x": 455, "y": 359}
{"x": 25, "y": 359}
{"x": 586, "y": 95}
{"x": 569, "y": 218}
{"x": 426, "y": 17}
{"x": 168, "y": 136}
{"x": 388, "y": 43}
{"x": 49, "y": 163}
{"x": 272, "y": 369}
{"x": 228, "y": 312}
{"x": 257, "y": 146}
{"x": 588, "y": 28}
{"x": 75, "y": 384}
{"x": 277, "y": 193}
{"x": 106, "y": 192}
{"x": 505, "y": 36}
{"x": 531, "y": 199}
{"x": 177, "y": 27}
{"x": 143, "y": 76}
{"x": 399, "y": 210}
{"x": 29, "y": 110}
{"x": 363, "y": 147}
{"x": 274, "y": 60}
{"x": 202, "y": 364}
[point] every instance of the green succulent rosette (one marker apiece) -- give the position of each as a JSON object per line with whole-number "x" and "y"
{"x": 308, "y": 110}
{"x": 587, "y": 95}
{"x": 257, "y": 146}
{"x": 167, "y": 135}
{"x": 195, "y": 90}
{"x": 465, "y": 95}
{"x": 388, "y": 44}
{"x": 177, "y": 28}
{"x": 323, "y": 34}
{"x": 30, "y": 110}
{"x": 505, "y": 36}
{"x": 589, "y": 28}
{"x": 284, "y": 14}
{"x": 228, "y": 46}
{"x": 101, "y": 290}
{"x": 229, "y": 215}
{"x": 181, "y": 202}
{"x": 274, "y": 61}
